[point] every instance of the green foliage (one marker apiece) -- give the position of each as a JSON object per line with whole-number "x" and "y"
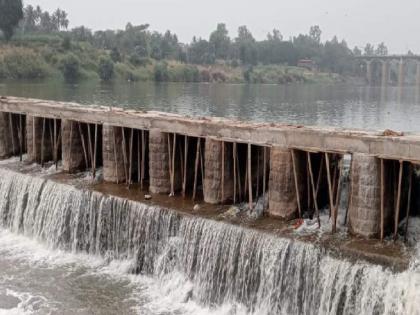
{"x": 66, "y": 44}
{"x": 106, "y": 68}
{"x": 22, "y": 64}
{"x": 70, "y": 67}
{"x": 161, "y": 72}
{"x": 11, "y": 12}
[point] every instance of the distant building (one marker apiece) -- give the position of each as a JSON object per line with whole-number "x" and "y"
{"x": 307, "y": 64}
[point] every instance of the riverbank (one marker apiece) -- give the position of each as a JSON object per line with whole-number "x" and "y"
{"x": 57, "y": 59}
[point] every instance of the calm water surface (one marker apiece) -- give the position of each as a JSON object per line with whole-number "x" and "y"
{"x": 332, "y": 105}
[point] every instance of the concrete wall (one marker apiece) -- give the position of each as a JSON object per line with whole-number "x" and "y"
{"x": 113, "y": 168}
{"x": 5, "y": 146}
{"x": 282, "y": 192}
{"x": 213, "y": 172}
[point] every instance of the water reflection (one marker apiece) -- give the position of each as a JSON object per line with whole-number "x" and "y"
{"x": 333, "y": 105}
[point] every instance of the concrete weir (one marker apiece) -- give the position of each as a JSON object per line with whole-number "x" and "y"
{"x": 295, "y": 170}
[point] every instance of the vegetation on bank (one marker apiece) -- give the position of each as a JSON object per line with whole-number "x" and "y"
{"x": 42, "y": 47}
{"x": 63, "y": 59}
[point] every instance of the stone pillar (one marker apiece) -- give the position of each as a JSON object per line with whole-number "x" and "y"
{"x": 401, "y": 70}
{"x": 369, "y": 72}
{"x": 365, "y": 199}
{"x": 73, "y": 156}
{"x": 113, "y": 168}
{"x": 385, "y": 73}
{"x": 282, "y": 191}
{"x": 160, "y": 182}
{"x": 5, "y": 145}
{"x": 34, "y": 139}
{"x": 213, "y": 172}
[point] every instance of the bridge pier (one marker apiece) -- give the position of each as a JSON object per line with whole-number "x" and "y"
{"x": 369, "y": 72}
{"x": 401, "y": 72}
{"x": 385, "y": 73}
{"x": 113, "y": 158}
{"x": 418, "y": 74}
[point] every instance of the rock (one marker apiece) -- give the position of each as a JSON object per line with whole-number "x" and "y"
{"x": 197, "y": 208}
{"x": 147, "y": 197}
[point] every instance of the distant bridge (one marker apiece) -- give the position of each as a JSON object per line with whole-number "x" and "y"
{"x": 385, "y": 61}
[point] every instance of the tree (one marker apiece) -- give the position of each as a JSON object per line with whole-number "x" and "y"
{"x": 106, "y": 68}
{"x": 381, "y": 50}
{"x": 70, "y": 67}
{"x": 11, "y": 12}
{"x": 369, "y": 50}
{"x": 246, "y": 46}
{"x": 315, "y": 33}
{"x": 357, "y": 51}
{"x": 220, "y": 41}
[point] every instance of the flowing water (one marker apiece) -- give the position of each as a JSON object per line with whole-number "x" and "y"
{"x": 70, "y": 251}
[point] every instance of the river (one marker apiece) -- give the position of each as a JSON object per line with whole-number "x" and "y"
{"x": 65, "y": 251}
{"x": 339, "y": 105}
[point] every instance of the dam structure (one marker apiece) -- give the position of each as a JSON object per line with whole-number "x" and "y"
{"x": 282, "y": 173}
{"x": 223, "y": 161}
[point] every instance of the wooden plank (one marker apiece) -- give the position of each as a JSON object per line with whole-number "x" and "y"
{"x": 382, "y": 200}
{"x": 234, "y": 171}
{"x": 296, "y": 183}
{"x": 330, "y": 192}
{"x": 251, "y": 204}
{"x": 407, "y": 215}
{"x": 311, "y": 175}
{"x": 397, "y": 206}
{"x": 223, "y": 171}
{"x": 197, "y": 159}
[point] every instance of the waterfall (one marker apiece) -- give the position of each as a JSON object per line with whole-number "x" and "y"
{"x": 263, "y": 273}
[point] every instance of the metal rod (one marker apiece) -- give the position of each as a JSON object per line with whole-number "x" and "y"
{"x": 124, "y": 152}
{"x": 70, "y": 145}
{"x": 173, "y": 166}
{"x": 264, "y": 175}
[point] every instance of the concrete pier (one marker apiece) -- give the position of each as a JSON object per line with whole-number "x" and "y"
{"x": 160, "y": 181}
{"x": 113, "y": 158}
{"x": 214, "y": 192}
{"x": 282, "y": 189}
{"x": 35, "y": 138}
{"x": 73, "y": 159}
{"x": 365, "y": 203}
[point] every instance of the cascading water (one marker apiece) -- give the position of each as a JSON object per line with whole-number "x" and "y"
{"x": 253, "y": 272}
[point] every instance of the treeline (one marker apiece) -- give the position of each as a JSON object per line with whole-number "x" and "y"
{"x": 139, "y": 42}
{"x": 138, "y": 53}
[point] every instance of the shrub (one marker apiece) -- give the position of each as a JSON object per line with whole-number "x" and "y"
{"x": 106, "y": 68}
{"x": 70, "y": 67}
{"x": 21, "y": 63}
{"x": 161, "y": 72}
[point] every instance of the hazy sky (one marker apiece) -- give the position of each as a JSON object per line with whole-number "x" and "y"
{"x": 358, "y": 21}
